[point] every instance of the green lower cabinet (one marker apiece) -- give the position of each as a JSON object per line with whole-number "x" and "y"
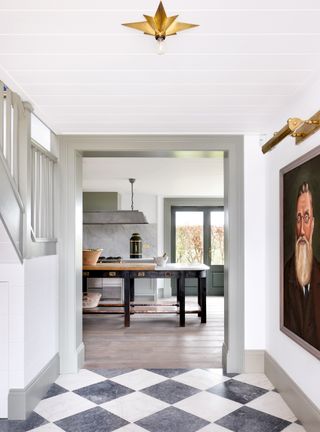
{"x": 215, "y": 283}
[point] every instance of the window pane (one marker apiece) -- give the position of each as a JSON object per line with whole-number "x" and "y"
{"x": 189, "y": 237}
{"x": 217, "y": 237}
{"x": 40, "y": 132}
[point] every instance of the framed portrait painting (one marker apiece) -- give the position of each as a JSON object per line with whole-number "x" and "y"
{"x": 300, "y": 251}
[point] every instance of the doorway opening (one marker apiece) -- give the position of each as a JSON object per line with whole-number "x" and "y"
{"x": 197, "y": 236}
{"x": 196, "y": 233}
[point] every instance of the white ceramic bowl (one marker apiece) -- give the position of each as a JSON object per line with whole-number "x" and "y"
{"x": 161, "y": 261}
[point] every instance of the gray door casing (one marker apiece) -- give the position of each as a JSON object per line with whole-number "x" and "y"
{"x": 72, "y": 148}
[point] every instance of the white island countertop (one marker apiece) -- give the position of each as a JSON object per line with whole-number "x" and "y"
{"x": 145, "y": 266}
{"x": 184, "y": 267}
{"x": 168, "y": 266}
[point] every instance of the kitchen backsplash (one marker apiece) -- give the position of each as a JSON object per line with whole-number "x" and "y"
{"x": 115, "y": 239}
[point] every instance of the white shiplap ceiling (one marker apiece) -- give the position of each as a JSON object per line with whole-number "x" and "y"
{"x": 85, "y": 73}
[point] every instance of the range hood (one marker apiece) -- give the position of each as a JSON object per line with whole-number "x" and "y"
{"x": 114, "y": 217}
{"x": 101, "y": 208}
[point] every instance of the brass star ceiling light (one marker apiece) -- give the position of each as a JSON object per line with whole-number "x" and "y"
{"x": 160, "y": 26}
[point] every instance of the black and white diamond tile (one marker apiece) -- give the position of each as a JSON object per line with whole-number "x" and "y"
{"x": 256, "y": 379}
{"x": 208, "y": 406}
{"x": 200, "y": 378}
{"x": 139, "y": 379}
{"x": 246, "y": 419}
{"x": 237, "y": 391}
{"x": 169, "y": 373}
{"x": 62, "y": 406}
{"x": 82, "y": 379}
{"x": 34, "y": 422}
{"x": 55, "y": 390}
{"x": 135, "y": 406}
{"x": 93, "y": 420}
{"x": 273, "y": 404}
{"x": 293, "y": 427}
{"x": 159, "y": 400}
{"x": 110, "y": 373}
{"x": 170, "y": 391}
{"x": 103, "y": 391}
{"x": 172, "y": 419}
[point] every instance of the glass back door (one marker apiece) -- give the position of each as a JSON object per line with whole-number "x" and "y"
{"x": 197, "y": 237}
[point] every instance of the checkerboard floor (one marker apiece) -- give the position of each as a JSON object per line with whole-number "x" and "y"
{"x": 159, "y": 400}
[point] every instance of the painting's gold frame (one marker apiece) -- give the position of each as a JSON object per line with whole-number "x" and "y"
{"x": 298, "y": 162}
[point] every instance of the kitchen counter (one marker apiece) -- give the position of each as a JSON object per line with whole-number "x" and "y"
{"x": 122, "y": 266}
{"x": 141, "y": 265}
{"x": 138, "y": 270}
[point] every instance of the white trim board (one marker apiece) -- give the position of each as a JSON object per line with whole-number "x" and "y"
{"x": 304, "y": 409}
{"x": 21, "y": 402}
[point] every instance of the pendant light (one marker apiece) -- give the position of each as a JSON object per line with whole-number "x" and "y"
{"x": 136, "y": 215}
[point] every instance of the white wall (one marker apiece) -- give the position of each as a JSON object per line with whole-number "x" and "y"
{"x": 298, "y": 363}
{"x": 8, "y": 254}
{"x": 255, "y": 244}
{"x": 41, "y": 313}
{"x": 11, "y": 331}
{"x": 143, "y": 202}
{"x": 165, "y": 176}
{"x": 4, "y": 348}
{"x": 28, "y": 322}
{"x": 160, "y": 221}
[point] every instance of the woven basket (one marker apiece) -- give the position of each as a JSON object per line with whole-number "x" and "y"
{"x": 91, "y": 300}
{"x": 91, "y": 256}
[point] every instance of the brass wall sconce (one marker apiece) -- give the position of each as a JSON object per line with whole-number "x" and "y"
{"x": 297, "y": 128}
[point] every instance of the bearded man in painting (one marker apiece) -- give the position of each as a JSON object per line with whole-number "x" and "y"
{"x": 302, "y": 276}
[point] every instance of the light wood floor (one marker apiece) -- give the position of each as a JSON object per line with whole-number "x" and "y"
{"x": 155, "y": 341}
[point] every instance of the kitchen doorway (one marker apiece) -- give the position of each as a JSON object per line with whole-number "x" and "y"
{"x": 197, "y": 236}
{"x": 155, "y": 312}
{"x": 73, "y": 148}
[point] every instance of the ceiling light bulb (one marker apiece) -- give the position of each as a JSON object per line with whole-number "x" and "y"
{"x": 161, "y": 46}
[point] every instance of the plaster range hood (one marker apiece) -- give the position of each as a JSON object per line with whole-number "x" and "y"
{"x": 114, "y": 217}
{"x": 101, "y": 208}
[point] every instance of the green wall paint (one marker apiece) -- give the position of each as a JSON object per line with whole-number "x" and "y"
{"x": 100, "y": 201}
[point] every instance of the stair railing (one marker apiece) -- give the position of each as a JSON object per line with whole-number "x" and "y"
{"x": 11, "y": 205}
{"x": 42, "y": 194}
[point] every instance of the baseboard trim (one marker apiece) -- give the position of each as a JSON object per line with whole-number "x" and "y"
{"x": 21, "y": 402}
{"x": 304, "y": 409}
{"x": 254, "y": 361}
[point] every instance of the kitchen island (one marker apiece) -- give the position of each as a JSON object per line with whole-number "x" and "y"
{"x": 131, "y": 271}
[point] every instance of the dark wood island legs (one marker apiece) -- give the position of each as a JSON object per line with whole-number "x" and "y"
{"x": 182, "y": 299}
{"x": 203, "y": 299}
{"x": 127, "y": 296}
